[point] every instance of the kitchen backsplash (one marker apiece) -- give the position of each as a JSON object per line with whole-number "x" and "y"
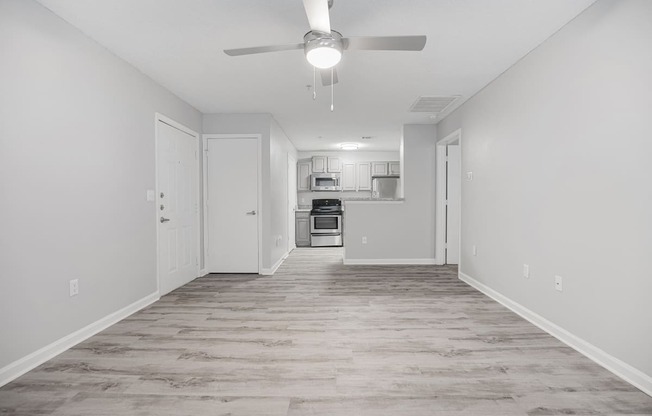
{"x": 304, "y": 199}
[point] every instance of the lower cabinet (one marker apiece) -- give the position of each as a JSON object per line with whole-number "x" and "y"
{"x": 302, "y": 228}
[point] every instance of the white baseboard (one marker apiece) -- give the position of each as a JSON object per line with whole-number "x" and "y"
{"x": 272, "y": 270}
{"x": 18, "y": 368}
{"x": 387, "y": 261}
{"x": 203, "y": 272}
{"x": 623, "y": 370}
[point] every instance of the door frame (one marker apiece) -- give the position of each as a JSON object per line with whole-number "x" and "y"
{"x": 440, "y": 192}
{"x": 161, "y": 118}
{"x": 259, "y": 197}
{"x": 291, "y": 213}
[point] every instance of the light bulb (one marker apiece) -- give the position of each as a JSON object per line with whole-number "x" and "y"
{"x": 324, "y": 57}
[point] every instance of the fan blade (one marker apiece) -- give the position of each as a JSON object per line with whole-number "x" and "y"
{"x": 262, "y": 49}
{"x": 326, "y": 79}
{"x": 318, "y": 16}
{"x": 385, "y": 43}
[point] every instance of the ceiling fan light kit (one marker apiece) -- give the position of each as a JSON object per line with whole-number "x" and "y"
{"x": 323, "y": 50}
{"x": 324, "y": 47}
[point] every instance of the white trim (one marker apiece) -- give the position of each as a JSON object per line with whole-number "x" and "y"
{"x": 274, "y": 268}
{"x": 259, "y": 139}
{"x": 203, "y": 272}
{"x": 440, "y": 192}
{"x": 19, "y": 367}
{"x": 387, "y": 261}
{"x": 623, "y": 370}
{"x": 158, "y": 117}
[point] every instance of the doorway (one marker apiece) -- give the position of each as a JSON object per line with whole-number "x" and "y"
{"x": 177, "y": 207}
{"x": 449, "y": 174}
{"x": 233, "y": 223}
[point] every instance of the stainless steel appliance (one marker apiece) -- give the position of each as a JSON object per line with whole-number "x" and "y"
{"x": 326, "y": 223}
{"x": 385, "y": 187}
{"x": 325, "y": 182}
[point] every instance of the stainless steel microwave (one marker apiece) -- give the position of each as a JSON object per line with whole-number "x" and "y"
{"x": 325, "y": 182}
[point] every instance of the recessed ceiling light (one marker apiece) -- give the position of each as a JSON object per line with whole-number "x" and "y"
{"x": 349, "y": 146}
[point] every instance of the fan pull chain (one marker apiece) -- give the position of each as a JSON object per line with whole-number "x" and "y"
{"x": 314, "y": 83}
{"x": 332, "y": 90}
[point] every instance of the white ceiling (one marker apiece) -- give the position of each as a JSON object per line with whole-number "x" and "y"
{"x": 179, "y": 44}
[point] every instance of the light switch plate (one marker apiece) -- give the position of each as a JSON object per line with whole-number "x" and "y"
{"x": 526, "y": 271}
{"x": 469, "y": 176}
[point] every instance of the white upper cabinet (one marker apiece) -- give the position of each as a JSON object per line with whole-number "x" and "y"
{"x": 334, "y": 165}
{"x": 385, "y": 168}
{"x": 319, "y": 164}
{"x": 303, "y": 176}
{"x": 379, "y": 168}
{"x": 364, "y": 176}
{"x": 395, "y": 168}
{"x": 348, "y": 176}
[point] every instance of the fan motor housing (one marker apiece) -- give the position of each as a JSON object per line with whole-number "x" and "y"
{"x": 315, "y": 39}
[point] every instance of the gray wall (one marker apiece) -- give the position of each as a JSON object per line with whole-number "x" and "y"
{"x": 76, "y": 158}
{"x": 280, "y": 146}
{"x": 405, "y": 230}
{"x": 275, "y": 146}
{"x": 560, "y": 148}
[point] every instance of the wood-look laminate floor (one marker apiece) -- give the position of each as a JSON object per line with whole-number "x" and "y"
{"x": 320, "y": 338}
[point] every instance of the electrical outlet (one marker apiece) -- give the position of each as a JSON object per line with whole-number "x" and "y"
{"x": 475, "y": 251}
{"x": 364, "y": 240}
{"x": 526, "y": 271}
{"x": 469, "y": 176}
{"x": 558, "y": 283}
{"x": 74, "y": 287}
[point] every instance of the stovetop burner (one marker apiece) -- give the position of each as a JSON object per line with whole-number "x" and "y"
{"x": 326, "y": 207}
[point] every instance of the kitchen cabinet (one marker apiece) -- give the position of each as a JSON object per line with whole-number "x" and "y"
{"x": 334, "y": 165}
{"x": 303, "y": 176}
{"x": 379, "y": 168}
{"x": 364, "y": 176}
{"x": 319, "y": 164}
{"x": 395, "y": 168}
{"x": 302, "y": 227}
{"x": 348, "y": 176}
{"x": 385, "y": 168}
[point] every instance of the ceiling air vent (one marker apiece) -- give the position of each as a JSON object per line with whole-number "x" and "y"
{"x": 432, "y": 104}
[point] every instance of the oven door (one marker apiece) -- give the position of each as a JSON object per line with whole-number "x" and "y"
{"x": 325, "y": 224}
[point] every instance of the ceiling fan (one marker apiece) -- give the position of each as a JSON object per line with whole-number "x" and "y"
{"x": 324, "y": 47}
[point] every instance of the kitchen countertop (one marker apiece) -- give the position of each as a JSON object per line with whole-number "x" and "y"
{"x": 375, "y": 201}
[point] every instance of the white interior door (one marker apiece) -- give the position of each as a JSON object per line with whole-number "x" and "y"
{"x": 453, "y": 191}
{"x": 177, "y": 181}
{"x": 232, "y": 205}
{"x": 292, "y": 201}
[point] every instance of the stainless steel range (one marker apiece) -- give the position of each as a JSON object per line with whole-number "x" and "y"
{"x": 326, "y": 223}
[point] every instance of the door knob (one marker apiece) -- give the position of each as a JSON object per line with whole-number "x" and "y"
{"x": 164, "y": 220}
{"x": 251, "y": 212}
